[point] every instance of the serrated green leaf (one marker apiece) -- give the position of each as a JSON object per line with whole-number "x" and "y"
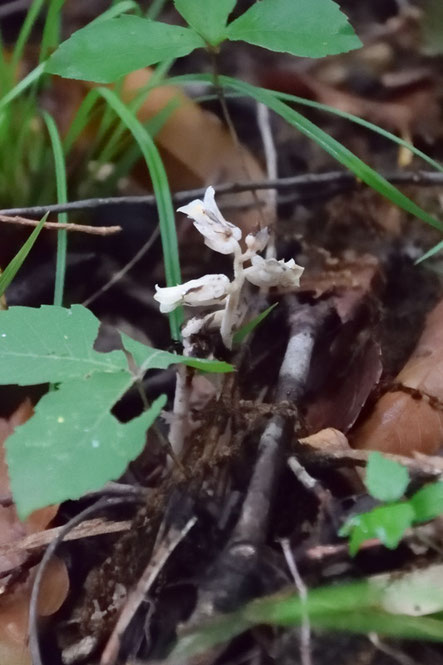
{"x": 428, "y": 502}
{"x": 16, "y": 263}
{"x": 385, "y": 479}
{"x": 105, "y": 51}
{"x": 73, "y": 444}
{"x": 209, "y": 21}
{"x": 146, "y": 358}
{"x": 51, "y": 344}
{"x": 387, "y": 523}
{"x": 310, "y": 28}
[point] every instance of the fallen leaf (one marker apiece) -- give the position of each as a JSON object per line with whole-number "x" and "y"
{"x": 411, "y": 420}
{"x": 14, "y": 600}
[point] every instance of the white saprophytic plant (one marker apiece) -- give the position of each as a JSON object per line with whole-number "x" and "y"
{"x": 224, "y": 237}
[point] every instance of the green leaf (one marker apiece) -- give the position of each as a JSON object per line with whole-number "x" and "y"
{"x": 387, "y": 523}
{"x": 357, "y": 607}
{"x": 105, "y": 51}
{"x": 16, "y": 263}
{"x": 73, "y": 445}
{"x": 51, "y": 344}
{"x": 385, "y": 479}
{"x": 146, "y": 358}
{"x": 332, "y": 146}
{"x": 311, "y": 28}
{"x": 428, "y": 502}
{"x": 209, "y": 21}
{"x": 163, "y": 197}
{"x": 246, "y": 330}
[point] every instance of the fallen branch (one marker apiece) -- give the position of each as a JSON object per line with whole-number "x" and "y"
{"x": 58, "y": 226}
{"x": 313, "y": 182}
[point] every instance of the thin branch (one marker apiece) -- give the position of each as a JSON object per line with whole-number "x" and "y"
{"x": 305, "y": 634}
{"x": 121, "y": 273}
{"x": 14, "y": 7}
{"x": 56, "y": 226}
{"x": 338, "y": 180}
{"x": 137, "y": 596}
{"x": 264, "y": 125}
{"x": 34, "y": 644}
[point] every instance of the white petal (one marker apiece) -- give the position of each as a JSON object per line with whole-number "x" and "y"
{"x": 258, "y": 241}
{"x": 270, "y": 272}
{"x": 220, "y": 235}
{"x": 207, "y": 290}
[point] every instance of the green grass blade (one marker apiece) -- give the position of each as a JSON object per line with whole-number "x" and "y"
{"x": 364, "y": 123}
{"x": 62, "y": 197}
{"x": 16, "y": 263}
{"x": 163, "y": 198}
{"x": 81, "y": 119}
{"x": 22, "y": 85}
{"x": 25, "y": 31}
{"x": 116, "y": 10}
{"x": 51, "y": 30}
{"x": 329, "y": 144}
{"x": 246, "y": 330}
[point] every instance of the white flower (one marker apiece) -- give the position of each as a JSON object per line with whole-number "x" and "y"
{"x": 220, "y": 235}
{"x": 270, "y": 272}
{"x": 207, "y": 290}
{"x": 258, "y": 241}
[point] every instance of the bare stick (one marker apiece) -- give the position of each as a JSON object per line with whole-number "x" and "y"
{"x": 264, "y": 125}
{"x": 315, "y": 182}
{"x": 56, "y": 226}
{"x": 305, "y": 634}
{"x": 121, "y": 273}
{"x": 14, "y": 7}
{"x": 152, "y": 570}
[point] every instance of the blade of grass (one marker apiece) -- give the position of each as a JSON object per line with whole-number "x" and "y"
{"x": 116, "y": 10}
{"x": 163, "y": 197}
{"x": 51, "y": 30}
{"x": 62, "y": 197}
{"x": 329, "y": 144}
{"x": 342, "y": 114}
{"x": 246, "y": 330}
{"x": 22, "y": 85}
{"x": 364, "y": 123}
{"x": 16, "y": 263}
{"x": 22, "y": 39}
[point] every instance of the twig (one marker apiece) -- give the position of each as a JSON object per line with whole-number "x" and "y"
{"x": 56, "y": 226}
{"x": 14, "y": 7}
{"x": 316, "y": 182}
{"x": 34, "y": 645}
{"x": 305, "y": 633}
{"x": 152, "y": 570}
{"x": 90, "y": 528}
{"x": 121, "y": 273}
{"x": 264, "y": 125}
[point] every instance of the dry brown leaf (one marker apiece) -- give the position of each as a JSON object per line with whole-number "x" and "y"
{"x": 405, "y": 422}
{"x": 14, "y": 611}
{"x": 14, "y": 602}
{"x": 329, "y": 438}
